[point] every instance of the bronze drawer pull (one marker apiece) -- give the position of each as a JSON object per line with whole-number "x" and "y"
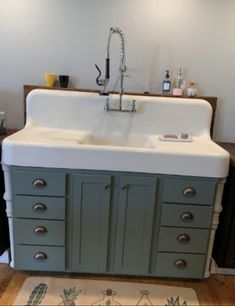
{"x": 39, "y": 207}
{"x": 40, "y": 230}
{"x": 39, "y": 183}
{"x": 40, "y": 256}
{"x": 187, "y": 216}
{"x": 184, "y": 238}
{"x": 189, "y": 192}
{"x": 180, "y": 263}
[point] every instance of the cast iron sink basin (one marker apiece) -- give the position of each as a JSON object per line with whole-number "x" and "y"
{"x": 119, "y": 140}
{"x": 66, "y": 129}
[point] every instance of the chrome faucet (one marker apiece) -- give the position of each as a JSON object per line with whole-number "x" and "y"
{"x": 122, "y": 67}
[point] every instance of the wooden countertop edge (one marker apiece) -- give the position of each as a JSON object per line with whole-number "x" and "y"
{"x": 30, "y": 87}
{"x": 9, "y": 132}
{"x": 230, "y": 147}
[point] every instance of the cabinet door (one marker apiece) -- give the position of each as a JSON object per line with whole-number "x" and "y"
{"x": 134, "y": 226}
{"x": 91, "y": 205}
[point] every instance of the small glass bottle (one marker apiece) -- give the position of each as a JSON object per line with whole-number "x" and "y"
{"x": 179, "y": 84}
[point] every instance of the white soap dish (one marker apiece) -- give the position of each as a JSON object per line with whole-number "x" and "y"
{"x": 183, "y": 137}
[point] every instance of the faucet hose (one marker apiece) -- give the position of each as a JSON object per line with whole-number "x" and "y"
{"x": 107, "y": 69}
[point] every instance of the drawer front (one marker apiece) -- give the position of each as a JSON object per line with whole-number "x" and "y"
{"x": 186, "y": 215}
{"x": 39, "y": 183}
{"x": 180, "y": 265}
{"x": 39, "y": 207}
{"x": 183, "y": 240}
{"x": 30, "y": 257}
{"x": 42, "y": 232}
{"x": 189, "y": 191}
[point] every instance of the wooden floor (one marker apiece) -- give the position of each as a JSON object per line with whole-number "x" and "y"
{"x": 216, "y": 290}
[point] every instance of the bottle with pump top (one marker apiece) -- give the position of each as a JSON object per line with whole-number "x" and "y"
{"x": 179, "y": 84}
{"x": 166, "y": 85}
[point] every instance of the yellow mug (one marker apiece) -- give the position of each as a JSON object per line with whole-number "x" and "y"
{"x": 50, "y": 79}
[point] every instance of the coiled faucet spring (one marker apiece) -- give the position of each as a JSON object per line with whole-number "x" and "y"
{"x": 122, "y": 67}
{"x": 118, "y": 31}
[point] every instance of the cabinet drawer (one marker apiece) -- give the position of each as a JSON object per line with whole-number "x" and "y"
{"x": 30, "y": 257}
{"x": 180, "y": 265}
{"x": 186, "y": 240}
{"x": 42, "y": 232}
{"x": 186, "y": 215}
{"x": 39, "y": 207}
{"x": 189, "y": 191}
{"x": 39, "y": 183}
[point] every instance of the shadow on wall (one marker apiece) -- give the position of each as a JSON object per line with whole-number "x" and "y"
{"x": 12, "y": 104}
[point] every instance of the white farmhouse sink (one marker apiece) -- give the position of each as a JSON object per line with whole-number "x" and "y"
{"x": 72, "y": 130}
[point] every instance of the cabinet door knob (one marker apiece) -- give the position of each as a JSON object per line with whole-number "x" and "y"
{"x": 39, "y": 207}
{"x": 189, "y": 192}
{"x": 180, "y": 263}
{"x": 40, "y": 230}
{"x": 107, "y": 186}
{"x": 40, "y": 256}
{"x": 39, "y": 183}
{"x": 184, "y": 238}
{"x": 187, "y": 216}
{"x": 124, "y": 187}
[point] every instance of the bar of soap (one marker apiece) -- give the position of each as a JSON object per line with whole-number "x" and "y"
{"x": 174, "y": 136}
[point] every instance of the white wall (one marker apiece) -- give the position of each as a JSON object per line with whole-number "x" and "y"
{"x": 70, "y": 36}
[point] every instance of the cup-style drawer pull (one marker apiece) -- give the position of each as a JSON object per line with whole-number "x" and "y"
{"x": 187, "y": 216}
{"x": 189, "y": 192}
{"x": 184, "y": 238}
{"x": 40, "y": 256}
{"x": 39, "y": 207}
{"x": 180, "y": 263}
{"x": 40, "y": 230}
{"x": 39, "y": 183}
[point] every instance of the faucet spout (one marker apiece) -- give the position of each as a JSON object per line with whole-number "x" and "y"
{"x": 122, "y": 66}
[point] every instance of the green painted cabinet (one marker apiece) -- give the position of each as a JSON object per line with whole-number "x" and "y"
{"x": 39, "y": 233}
{"x": 187, "y": 206}
{"x": 91, "y": 210}
{"x": 134, "y": 224}
{"x": 92, "y": 222}
{"x": 110, "y": 222}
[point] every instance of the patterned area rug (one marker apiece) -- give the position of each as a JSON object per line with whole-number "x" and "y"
{"x": 67, "y": 291}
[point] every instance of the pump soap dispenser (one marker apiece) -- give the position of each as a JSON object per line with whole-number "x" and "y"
{"x": 166, "y": 85}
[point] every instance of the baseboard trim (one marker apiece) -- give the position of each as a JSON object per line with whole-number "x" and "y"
{"x": 226, "y": 271}
{"x": 4, "y": 258}
{"x": 218, "y": 270}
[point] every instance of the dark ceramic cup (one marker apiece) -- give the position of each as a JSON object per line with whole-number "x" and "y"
{"x": 64, "y": 80}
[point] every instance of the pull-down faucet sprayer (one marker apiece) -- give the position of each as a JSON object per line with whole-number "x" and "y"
{"x": 122, "y": 67}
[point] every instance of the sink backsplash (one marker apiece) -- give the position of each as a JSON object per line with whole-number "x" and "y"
{"x": 85, "y": 112}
